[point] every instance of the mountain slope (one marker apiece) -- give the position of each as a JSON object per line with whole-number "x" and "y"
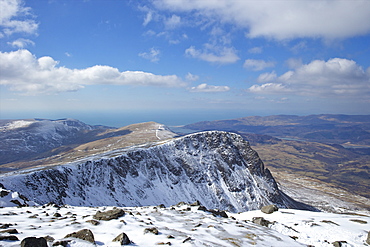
{"x": 50, "y": 142}
{"x": 217, "y": 168}
{"x": 26, "y": 138}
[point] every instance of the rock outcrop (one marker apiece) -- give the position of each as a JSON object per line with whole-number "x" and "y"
{"x": 219, "y": 169}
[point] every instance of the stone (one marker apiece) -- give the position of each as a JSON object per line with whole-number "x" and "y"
{"x": 57, "y": 215}
{"x": 4, "y": 193}
{"x": 218, "y": 213}
{"x": 10, "y": 231}
{"x": 49, "y": 238}
{"x": 109, "y": 215}
{"x": 269, "y": 209}
{"x": 122, "y": 239}
{"x": 187, "y": 239}
{"x": 9, "y": 237}
{"x": 153, "y": 230}
{"x": 196, "y": 203}
{"x": 33, "y": 241}
{"x": 84, "y": 234}
{"x": 261, "y": 221}
{"x": 94, "y": 222}
{"x": 63, "y": 243}
{"x": 339, "y": 243}
{"x": 368, "y": 238}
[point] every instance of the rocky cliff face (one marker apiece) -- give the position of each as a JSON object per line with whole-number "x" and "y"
{"x": 217, "y": 168}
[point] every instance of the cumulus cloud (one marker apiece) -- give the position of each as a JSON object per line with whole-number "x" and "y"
{"x": 335, "y": 77}
{"x": 214, "y": 54}
{"x": 282, "y": 19}
{"x": 24, "y": 72}
{"x": 257, "y": 65}
{"x": 204, "y": 88}
{"x": 152, "y": 55}
{"x": 16, "y": 18}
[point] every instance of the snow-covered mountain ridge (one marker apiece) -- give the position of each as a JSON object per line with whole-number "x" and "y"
{"x": 24, "y": 138}
{"x": 217, "y": 168}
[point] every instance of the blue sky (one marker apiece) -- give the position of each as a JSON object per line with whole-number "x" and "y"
{"x": 190, "y": 59}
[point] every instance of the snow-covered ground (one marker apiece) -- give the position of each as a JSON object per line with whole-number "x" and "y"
{"x": 185, "y": 225}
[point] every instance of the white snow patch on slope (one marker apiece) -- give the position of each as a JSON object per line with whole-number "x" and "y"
{"x": 16, "y": 124}
{"x": 319, "y": 229}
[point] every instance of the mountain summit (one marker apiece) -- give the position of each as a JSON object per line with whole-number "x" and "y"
{"x": 217, "y": 168}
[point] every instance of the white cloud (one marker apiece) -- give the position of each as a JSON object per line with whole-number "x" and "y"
{"x": 152, "y": 55}
{"x": 214, "y": 54}
{"x": 21, "y": 43}
{"x": 172, "y": 22}
{"x": 266, "y": 77}
{"x": 269, "y": 88}
{"x": 335, "y": 77}
{"x": 16, "y": 18}
{"x": 255, "y": 50}
{"x": 148, "y": 18}
{"x": 22, "y": 71}
{"x": 204, "y": 88}
{"x": 293, "y": 63}
{"x": 282, "y": 19}
{"x": 257, "y": 65}
{"x": 191, "y": 77}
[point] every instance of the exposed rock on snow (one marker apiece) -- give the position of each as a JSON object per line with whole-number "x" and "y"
{"x": 185, "y": 226}
{"x": 269, "y": 209}
{"x": 84, "y": 234}
{"x": 217, "y": 168}
{"x": 109, "y": 215}
{"x": 32, "y": 242}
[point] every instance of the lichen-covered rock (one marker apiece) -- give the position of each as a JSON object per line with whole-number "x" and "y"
{"x": 109, "y": 215}
{"x": 122, "y": 239}
{"x": 269, "y": 209}
{"x": 84, "y": 234}
{"x": 33, "y": 242}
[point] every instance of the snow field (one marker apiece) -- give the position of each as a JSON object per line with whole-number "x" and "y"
{"x": 319, "y": 229}
{"x": 181, "y": 223}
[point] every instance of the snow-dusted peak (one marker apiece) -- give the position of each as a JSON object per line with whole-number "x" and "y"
{"x": 16, "y": 124}
{"x": 217, "y": 168}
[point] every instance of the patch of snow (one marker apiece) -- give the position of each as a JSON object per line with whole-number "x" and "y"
{"x": 17, "y": 124}
{"x": 319, "y": 229}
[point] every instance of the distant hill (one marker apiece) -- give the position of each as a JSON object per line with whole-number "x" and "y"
{"x": 34, "y": 142}
{"x": 325, "y": 128}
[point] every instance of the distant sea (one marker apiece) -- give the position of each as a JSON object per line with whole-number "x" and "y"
{"x": 122, "y": 118}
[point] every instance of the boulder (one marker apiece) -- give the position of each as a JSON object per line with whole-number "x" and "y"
{"x": 122, "y": 239}
{"x": 368, "y": 238}
{"x": 84, "y": 234}
{"x": 33, "y": 241}
{"x": 151, "y": 230}
{"x": 269, "y": 209}
{"x": 9, "y": 237}
{"x": 109, "y": 215}
{"x": 261, "y": 221}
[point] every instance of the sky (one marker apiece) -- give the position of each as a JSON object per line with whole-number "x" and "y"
{"x": 182, "y": 61}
